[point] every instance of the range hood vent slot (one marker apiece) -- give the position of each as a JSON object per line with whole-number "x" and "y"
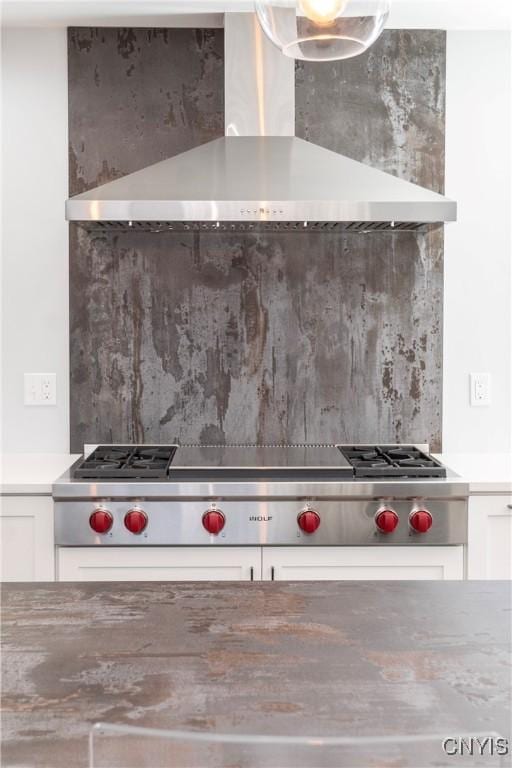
{"x": 257, "y": 227}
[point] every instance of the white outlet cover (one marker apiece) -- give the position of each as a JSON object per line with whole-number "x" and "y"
{"x": 40, "y": 389}
{"x": 480, "y": 389}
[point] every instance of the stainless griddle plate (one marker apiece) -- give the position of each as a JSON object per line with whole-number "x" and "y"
{"x": 261, "y": 457}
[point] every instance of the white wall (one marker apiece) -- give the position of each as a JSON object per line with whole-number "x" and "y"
{"x": 477, "y": 313}
{"x": 34, "y": 235}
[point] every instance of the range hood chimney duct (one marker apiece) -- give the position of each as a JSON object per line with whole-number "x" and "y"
{"x": 259, "y": 81}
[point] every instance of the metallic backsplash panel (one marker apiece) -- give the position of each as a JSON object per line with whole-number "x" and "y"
{"x": 385, "y": 108}
{"x": 274, "y": 337}
{"x": 137, "y": 96}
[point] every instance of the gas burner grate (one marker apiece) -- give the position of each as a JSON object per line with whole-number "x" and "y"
{"x": 391, "y": 461}
{"x": 111, "y": 462}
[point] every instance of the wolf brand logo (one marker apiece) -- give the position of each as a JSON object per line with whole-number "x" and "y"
{"x": 260, "y": 518}
{"x": 476, "y": 745}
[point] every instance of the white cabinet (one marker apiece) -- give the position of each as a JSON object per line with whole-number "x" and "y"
{"x": 246, "y": 563}
{"x": 26, "y": 538}
{"x": 490, "y": 537}
{"x": 349, "y": 563}
{"x": 159, "y": 563}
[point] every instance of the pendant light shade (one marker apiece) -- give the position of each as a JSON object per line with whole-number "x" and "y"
{"x": 322, "y": 30}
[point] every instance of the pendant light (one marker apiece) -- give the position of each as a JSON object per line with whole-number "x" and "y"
{"x": 322, "y": 30}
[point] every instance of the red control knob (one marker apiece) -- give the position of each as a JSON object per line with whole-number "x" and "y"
{"x": 214, "y": 521}
{"x": 101, "y": 520}
{"x": 420, "y": 520}
{"x": 386, "y": 520}
{"x": 308, "y": 521}
{"x": 136, "y": 520}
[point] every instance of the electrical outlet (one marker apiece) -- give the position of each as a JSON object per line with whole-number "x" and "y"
{"x": 40, "y": 389}
{"x": 480, "y": 389}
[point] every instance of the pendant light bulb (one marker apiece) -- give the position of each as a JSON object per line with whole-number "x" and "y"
{"x": 322, "y": 30}
{"x": 322, "y": 12}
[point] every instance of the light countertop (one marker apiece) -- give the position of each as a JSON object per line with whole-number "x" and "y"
{"x": 34, "y": 473}
{"x": 485, "y": 472}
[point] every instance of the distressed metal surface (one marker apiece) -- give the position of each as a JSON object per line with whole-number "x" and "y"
{"x": 360, "y": 658}
{"x": 266, "y": 337}
{"x": 384, "y": 108}
{"x": 209, "y": 337}
{"x": 137, "y": 96}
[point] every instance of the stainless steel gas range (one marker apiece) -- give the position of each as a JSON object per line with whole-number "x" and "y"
{"x": 264, "y": 495}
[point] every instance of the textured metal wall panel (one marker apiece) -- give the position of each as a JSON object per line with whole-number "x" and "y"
{"x": 268, "y": 337}
{"x": 385, "y": 108}
{"x": 137, "y": 96}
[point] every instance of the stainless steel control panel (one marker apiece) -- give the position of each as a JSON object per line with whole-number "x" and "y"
{"x": 255, "y": 522}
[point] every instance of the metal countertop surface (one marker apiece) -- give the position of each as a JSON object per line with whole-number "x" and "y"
{"x": 316, "y": 658}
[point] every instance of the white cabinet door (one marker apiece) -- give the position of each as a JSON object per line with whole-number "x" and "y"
{"x": 159, "y": 563}
{"x": 26, "y": 538}
{"x": 490, "y": 537}
{"x": 340, "y": 563}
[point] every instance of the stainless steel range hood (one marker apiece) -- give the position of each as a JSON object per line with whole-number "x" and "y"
{"x": 260, "y": 172}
